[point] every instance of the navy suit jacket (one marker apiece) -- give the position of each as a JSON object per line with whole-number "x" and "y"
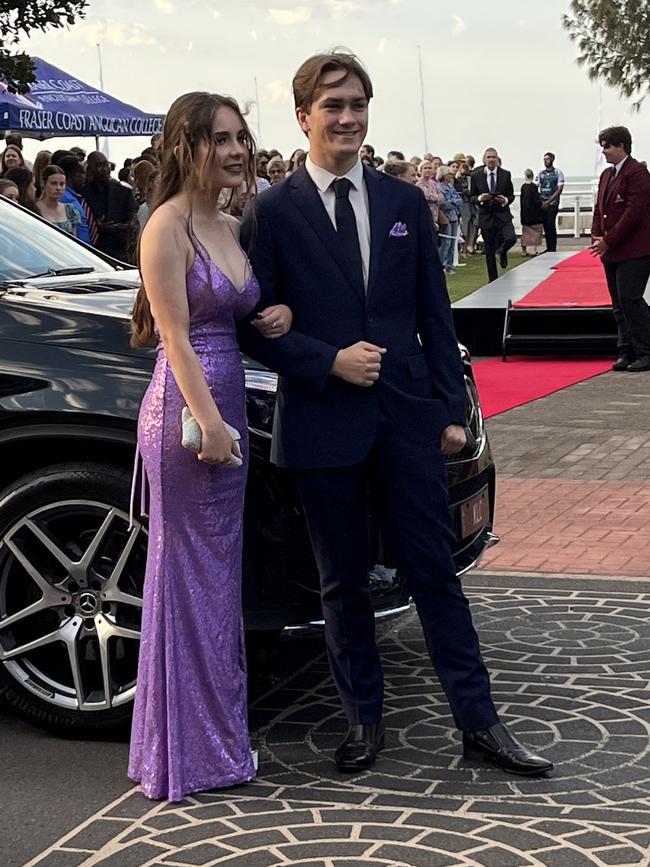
{"x": 320, "y": 420}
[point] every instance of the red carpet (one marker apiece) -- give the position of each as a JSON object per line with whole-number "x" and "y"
{"x": 504, "y": 385}
{"x": 578, "y": 281}
{"x": 583, "y": 259}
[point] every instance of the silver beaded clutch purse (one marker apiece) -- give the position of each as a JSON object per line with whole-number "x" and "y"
{"x": 191, "y": 435}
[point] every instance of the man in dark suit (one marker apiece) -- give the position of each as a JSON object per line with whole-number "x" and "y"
{"x": 371, "y": 395}
{"x": 491, "y": 190}
{"x": 113, "y": 207}
{"x": 621, "y": 237}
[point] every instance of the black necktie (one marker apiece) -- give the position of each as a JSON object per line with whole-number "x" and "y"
{"x": 346, "y": 227}
{"x": 493, "y": 183}
{"x": 610, "y": 181}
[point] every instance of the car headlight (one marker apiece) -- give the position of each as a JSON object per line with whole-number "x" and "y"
{"x": 473, "y": 413}
{"x": 261, "y": 380}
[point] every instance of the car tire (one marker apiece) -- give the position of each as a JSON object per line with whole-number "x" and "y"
{"x": 50, "y": 519}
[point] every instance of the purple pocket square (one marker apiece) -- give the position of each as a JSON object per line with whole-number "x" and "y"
{"x": 399, "y": 230}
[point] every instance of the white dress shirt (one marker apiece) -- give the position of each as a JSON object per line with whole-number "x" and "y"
{"x": 619, "y": 166}
{"x": 489, "y": 172}
{"x": 494, "y": 171}
{"x": 358, "y": 199}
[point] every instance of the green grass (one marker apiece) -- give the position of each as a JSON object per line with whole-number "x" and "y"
{"x": 473, "y": 275}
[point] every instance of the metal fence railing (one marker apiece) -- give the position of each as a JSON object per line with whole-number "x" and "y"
{"x": 576, "y": 209}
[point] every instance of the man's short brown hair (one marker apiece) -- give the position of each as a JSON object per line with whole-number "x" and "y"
{"x": 308, "y": 81}
{"x": 397, "y": 168}
{"x": 616, "y": 136}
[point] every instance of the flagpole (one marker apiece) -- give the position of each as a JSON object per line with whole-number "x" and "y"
{"x": 257, "y": 105}
{"x": 101, "y": 70}
{"x": 424, "y": 117}
{"x": 101, "y": 86}
{"x": 599, "y": 127}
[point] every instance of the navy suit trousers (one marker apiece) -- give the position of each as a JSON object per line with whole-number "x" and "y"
{"x": 408, "y": 485}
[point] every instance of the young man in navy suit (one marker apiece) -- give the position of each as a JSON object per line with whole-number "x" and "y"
{"x": 371, "y": 392}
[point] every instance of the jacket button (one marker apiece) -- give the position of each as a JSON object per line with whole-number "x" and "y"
{"x": 604, "y": 216}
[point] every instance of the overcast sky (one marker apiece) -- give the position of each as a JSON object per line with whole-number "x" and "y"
{"x": 501, "y": 74}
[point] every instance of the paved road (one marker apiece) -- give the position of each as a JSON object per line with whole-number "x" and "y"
{"x": 571, "y": 674}
{"x": 49, "y": 786}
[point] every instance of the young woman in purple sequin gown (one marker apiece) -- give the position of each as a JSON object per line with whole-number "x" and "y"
{"x": 190, "y": 729}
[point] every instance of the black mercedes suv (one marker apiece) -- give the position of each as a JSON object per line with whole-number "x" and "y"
{"x": 71, "y": 569}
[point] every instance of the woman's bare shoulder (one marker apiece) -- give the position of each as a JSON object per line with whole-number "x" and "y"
{"x": 166, "y": 222}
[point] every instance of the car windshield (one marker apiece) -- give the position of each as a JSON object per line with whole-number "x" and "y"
{"x": 29, "y": 247}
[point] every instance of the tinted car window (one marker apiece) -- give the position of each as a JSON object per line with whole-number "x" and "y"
{"x": 29, "y": 247}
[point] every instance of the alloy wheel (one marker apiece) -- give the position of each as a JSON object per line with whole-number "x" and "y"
{"x": 71, "y": 579}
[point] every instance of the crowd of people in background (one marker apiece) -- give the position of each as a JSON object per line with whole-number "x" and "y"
{"x": 455, "y": 210}
{"x": 76, "y": 192}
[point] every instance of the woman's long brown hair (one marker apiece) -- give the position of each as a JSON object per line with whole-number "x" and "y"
{"x": 188, "y": 123}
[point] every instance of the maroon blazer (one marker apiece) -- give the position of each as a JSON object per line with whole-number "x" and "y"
{"x": 622, "y": 213}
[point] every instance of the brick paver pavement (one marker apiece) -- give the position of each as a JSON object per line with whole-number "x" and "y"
{"x": 558, "y": 525}
{"x": 570, "y": 669}
{"x": 573, "y": 490}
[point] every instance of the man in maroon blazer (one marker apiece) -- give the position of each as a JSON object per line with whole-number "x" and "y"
{"x": 621, "y": 238}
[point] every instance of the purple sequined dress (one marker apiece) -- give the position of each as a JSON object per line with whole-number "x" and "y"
{"x": 190, "y": 726}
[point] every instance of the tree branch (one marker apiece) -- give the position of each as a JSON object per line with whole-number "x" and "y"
{"x": 18, "y": 18}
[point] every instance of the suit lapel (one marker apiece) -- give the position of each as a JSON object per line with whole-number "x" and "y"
{"x": 379, "y": 228}
{"x": 500, "y": 179}
{"x": 604, "y": 193}
{"x": 305, "y": 195}
{"x": 616, "y": 182}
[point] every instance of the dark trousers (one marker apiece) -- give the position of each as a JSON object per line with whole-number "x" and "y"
{"x": 469, "y": 224}
{"x": 627, "y": 282}
{"x": 498, "y": 238}
{"x": 472, "y": 228}
{"x": 549, "y": 216}
{"x": 408, "y": 483}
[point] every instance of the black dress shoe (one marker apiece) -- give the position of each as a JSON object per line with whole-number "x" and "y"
{"x": 623, "y": 362}
{"x": 498, "y": 746}
{"x": 640, "y": 364}
{"x": 359, "y": 750}
{"x": 503, "y": 259}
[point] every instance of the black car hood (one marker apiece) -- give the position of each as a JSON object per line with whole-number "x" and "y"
{"x": 104, "y": 294}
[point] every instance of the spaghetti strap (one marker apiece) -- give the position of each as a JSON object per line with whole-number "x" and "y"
{"x": 201, "y": 251}
{"x": 184, "y": 217}
{"x": 199, "y": 248}
{"x": 138, "y": 467}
